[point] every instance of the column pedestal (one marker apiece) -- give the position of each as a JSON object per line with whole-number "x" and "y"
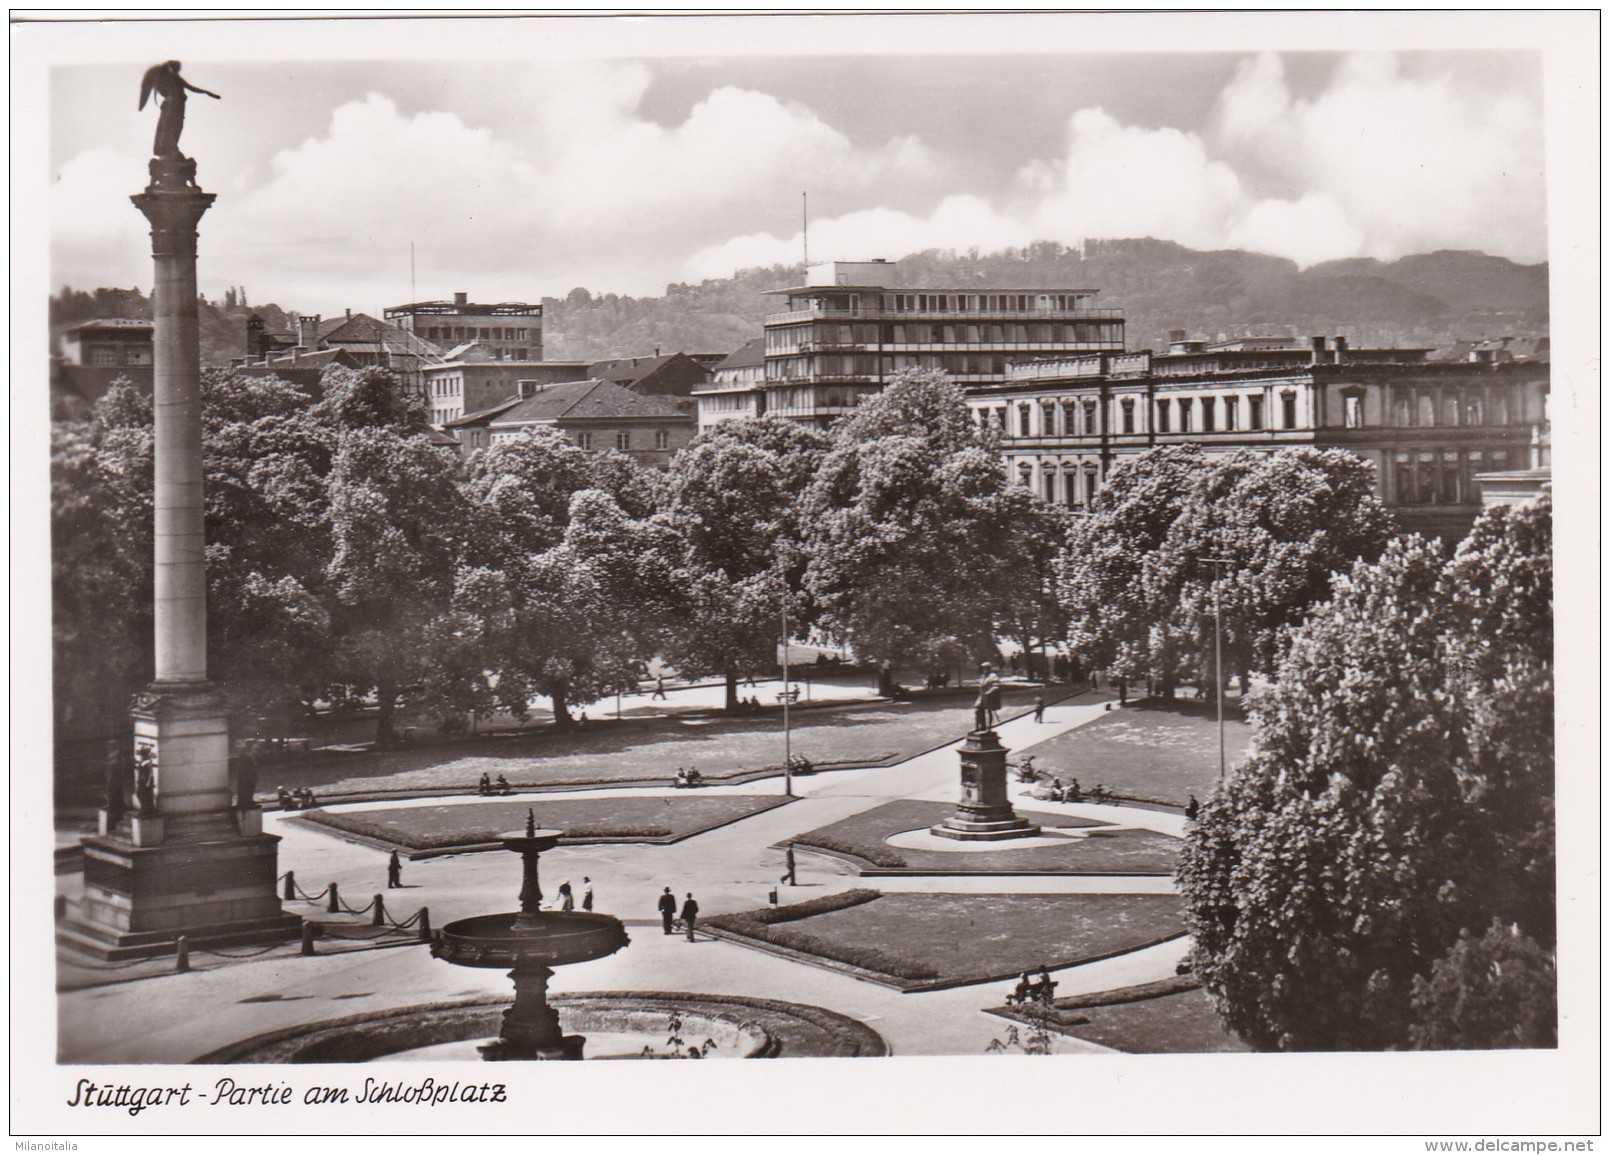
{"x": 984, "y": 813}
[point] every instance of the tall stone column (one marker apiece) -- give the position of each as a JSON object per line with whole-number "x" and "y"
{"x": 189, "y": 858}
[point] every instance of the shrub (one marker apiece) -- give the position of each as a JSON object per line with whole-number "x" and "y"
{"x": 1496, "y": 991}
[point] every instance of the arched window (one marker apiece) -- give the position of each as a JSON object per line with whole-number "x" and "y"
{"x": 1450, "y": 409}
{"x": 1473, "y": 411}
{"x": 1402, "y": 412}
{"x": 1427, "y": 410}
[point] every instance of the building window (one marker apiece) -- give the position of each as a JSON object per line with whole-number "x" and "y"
{"x": 1425, "y": 478}
{"x": 1232, "y": 413}
{"x": 1353, "y": 410}
{"x": 1403, "y": 412}
{"x": 1403, "y": 479}
{"x": 662, "y": 439}
{"x": 1185, "y": 414}
{"x": 1070, "y": 419}
{"x": 1070, "y": 487}
{"x": 1048, "y": 419}
{"x": 1025, "y": 475}
{"x": 1427, "y": 410}
{"x": 584, "y": 441}
{"x": 1162, "y": 416}
{"x": 1450, "y": 410}
{"x": 1128, "y": 406}
{"x": 1090, "y": 484}
{"x": 1091, "y": 429}
{"x": 1450, "y": 479}
{"x": 1208, "y": 415}
{"x": 102, "y": 355}
{"x": 623, "y": 440}
{"x": 1254, "y": 412}
{"x": 1501, "y": 408}
{"x": 1288, "y": 410}
{"x": 1023, "y": 420}
{"x": 1473, "y": 414}
{"x": 1049, "y": 477}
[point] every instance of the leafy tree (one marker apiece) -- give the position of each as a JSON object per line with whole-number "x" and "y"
{"x": 733, "y": 503}
{"x": 540, "y": 612}
{"x": 1399, "y": 793}
{"x": 1496, "y": 991}
{"x": 396, "y": 517}
{"x": 1115, "y": 621}
{"x": 1140, "y": 581}
{"x": 909, "y": 527}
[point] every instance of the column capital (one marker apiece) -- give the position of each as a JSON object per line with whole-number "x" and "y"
{"x": 173, "y": 209}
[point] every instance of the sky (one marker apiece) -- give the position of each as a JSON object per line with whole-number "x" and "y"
{"x": 359, "y": 183}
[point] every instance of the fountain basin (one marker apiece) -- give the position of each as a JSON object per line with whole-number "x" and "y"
{"x": 513, "y": 940}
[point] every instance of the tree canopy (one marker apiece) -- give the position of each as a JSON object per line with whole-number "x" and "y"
{"x": 1400, "y": 794}
{"x": 1179, "y": 536}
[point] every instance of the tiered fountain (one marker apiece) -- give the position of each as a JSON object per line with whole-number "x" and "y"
{"x": 530, "y": 943}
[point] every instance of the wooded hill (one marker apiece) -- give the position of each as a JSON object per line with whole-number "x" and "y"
{"x": 1430, "y": 299}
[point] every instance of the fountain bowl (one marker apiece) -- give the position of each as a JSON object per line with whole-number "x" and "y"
{"x": 546, "y": 938}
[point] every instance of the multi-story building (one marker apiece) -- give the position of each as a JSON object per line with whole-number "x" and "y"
{"x": 511, "y": 331}
{"x": 118, "y": 343}
{"x": 737, "y": 387}
{"x": 470, "y": 383}
{"x": 1427, "y": 429}
{"x": 596, "y": 415}
{"x": 846, "y": 332}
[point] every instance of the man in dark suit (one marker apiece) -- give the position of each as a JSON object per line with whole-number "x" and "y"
{"x": 667, "y": 909}
{"x": 690, "y": 914}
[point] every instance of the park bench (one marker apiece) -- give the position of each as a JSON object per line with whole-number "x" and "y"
{"x": 788, "y": 695}
{"x": 1037, "y": 992}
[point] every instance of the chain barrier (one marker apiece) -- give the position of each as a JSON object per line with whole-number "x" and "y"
{"x": 238, "y": 954}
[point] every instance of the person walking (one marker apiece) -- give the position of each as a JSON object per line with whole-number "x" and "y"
{"x": 659, "y": 689}
{"x": 1039, "y": 708}
{"x": 1192, "y": 809}
{"x": 393, "y": 872}
{"x": 586, "y": 893}
{"x": 788, "y": 861}
{"x": 690, "y": 914}
{"x": 667, "y": 909}
{"x": 567, "y": 898}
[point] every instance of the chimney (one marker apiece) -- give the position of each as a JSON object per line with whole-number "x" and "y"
{"x": 1318, "y": 355}
{"x": 349, "y": 313}
{"x": 461, "y": 298}
{"x": 307, "y": 332}
{"x": 1341, "y": 348}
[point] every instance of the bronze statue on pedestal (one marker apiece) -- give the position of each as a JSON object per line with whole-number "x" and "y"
{"x": 164, "y": 80}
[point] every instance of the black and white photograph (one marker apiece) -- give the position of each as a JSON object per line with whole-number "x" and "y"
{"x": 1003, "y": 562}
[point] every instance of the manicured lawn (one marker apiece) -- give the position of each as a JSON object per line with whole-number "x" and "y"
{"x": 1158, "y": 751}
{"x": 1179, "y": 1024}
{"x": 1120, "y": 852}
{"x": 606, "y": 816}
{"x": 922, "y": 938}
{"x": 608, "y": 751}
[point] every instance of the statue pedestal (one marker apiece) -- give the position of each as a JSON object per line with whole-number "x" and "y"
{"x": 984, "y": 813}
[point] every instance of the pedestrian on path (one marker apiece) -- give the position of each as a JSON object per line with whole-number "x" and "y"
{"x": 1039, "y": 708}
{"x": 393, "y": 872}
{"x": 788, "y": 860}
{"x": 1192, "y": 809}
{"x": 690, "y": 914}
{"x": 567, "y": 898}
{"x": 659, "y": 689}
{"x": 667, "y": 909}
{"x": 586, "y": 893}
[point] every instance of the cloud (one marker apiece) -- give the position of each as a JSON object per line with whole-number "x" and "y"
{"x": 557, "y": 176}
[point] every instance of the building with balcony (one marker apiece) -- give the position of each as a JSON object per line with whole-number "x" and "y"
{"x": 737, "y": 387}
{"x": 849, "y": 329}
{"x": 1427, "y": 429}
{"x": 510, "y": 331}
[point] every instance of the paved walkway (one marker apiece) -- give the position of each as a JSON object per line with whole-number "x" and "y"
{"x": 175, "y": 1018}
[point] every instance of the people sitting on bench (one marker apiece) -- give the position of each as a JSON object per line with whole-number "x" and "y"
{"x": 485, "y": 785}
{"x": 1026, "y": 771}
{"x": 1040, "y": 989}
{"x": 305, "y": 800}
{"x": 938, "y": 681}
{"x": 502, "y": 786}
{"x": 287, "y": 800}
{"x": 1073, "y": 793}
{"x": 789, "y": 695}
{"x": 799, "y": 764}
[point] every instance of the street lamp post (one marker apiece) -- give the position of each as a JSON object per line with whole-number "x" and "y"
{"x": 1218, "y": 655}
{"x": 788, "y": 752}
